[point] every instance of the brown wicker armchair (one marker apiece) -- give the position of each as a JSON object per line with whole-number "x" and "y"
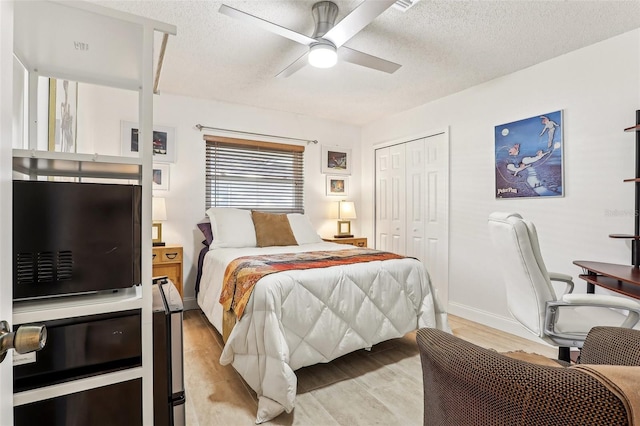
{"x": 465, "y": 384}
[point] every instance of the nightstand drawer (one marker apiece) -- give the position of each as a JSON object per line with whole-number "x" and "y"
{"x": 167, "y": 254}
{"x": 358, "y": 242}
{"x": 167, "y": 261}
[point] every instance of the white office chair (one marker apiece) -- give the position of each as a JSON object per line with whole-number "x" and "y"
{"x": 531, "y": 298}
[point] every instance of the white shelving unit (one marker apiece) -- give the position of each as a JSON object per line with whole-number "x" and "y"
{"x": 65, "y": 307}
{"x": 35, "y": 163}
{"x": 88, "y": 43}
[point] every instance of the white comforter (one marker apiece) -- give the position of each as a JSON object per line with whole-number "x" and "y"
{"x": 304, "y": 317}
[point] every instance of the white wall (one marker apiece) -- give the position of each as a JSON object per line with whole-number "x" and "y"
{"x": 598, "y": 88}
{"x": 100, "y": 111}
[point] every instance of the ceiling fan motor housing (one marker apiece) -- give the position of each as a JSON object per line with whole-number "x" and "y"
{"x": 324, "y": 15}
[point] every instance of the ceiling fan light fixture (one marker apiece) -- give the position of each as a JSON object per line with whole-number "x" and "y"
{"x": 323, "y": 55}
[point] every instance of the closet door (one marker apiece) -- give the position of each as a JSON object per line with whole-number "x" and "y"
{"x": 383, "y": 199}
{"x": 398, "y": 199}
{"x": 437, "y": 212}
{"x": 390, "y": 199}
{"x": 415, "y": 193}
{"x": 412, "y": 197}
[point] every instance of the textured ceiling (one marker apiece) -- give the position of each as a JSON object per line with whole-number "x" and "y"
{"x": 443, "y": 47}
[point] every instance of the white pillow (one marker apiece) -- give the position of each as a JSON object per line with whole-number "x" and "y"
{"x": 231, "y": 227}
{"x": 302, "y": 229}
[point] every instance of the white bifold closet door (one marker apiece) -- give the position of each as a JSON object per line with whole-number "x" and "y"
{"x": 412, "y": 203}
{"x": 390, "y": 183}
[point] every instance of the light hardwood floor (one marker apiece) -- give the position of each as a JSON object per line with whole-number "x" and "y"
{"x": 383, "y": 386}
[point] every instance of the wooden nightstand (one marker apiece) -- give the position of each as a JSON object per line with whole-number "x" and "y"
{"x": 358, "y": 242}
{"x": 167, "y": 261}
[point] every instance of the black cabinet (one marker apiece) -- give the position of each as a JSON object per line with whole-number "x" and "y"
{"x": 117, "y": 404}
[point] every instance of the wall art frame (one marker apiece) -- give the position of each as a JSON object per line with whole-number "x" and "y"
{"x": 160, "y": 178}
{"x": 164, "y": 141}
{"x": 336, "y": 160}
{"x": 529, "y": 160}
{"x": 338, "y": 186}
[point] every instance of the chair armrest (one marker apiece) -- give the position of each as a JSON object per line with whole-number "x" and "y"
{"x": 592, "y": 300}
{"x": 589, "y": 299}
{"x": 504, "y": 390}
{"x": 612, "y": 346}
{"x": 567, "y": 279}
{"x": 607, "y": 301}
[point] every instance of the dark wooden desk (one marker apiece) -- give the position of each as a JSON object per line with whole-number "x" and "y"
{"x": 623, "y": 279}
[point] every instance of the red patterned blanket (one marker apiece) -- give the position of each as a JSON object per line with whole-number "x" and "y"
{"x": 243, "y": 273}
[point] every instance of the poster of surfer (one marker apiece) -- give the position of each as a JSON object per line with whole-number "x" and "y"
{"x": 529, "y": 157}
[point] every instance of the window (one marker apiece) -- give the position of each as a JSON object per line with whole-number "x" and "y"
{"x": 254, "y": 175}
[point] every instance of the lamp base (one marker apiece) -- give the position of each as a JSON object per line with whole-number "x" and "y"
{"x": 343, "y": 236}
{"x": 159, "y": 244}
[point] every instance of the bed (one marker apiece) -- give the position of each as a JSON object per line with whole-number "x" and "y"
{"x": 300, "y": 317}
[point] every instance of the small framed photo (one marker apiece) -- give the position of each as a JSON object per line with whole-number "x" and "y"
{"x": 337, "y": 185}
{"x": 160, "y": 177}
{"x": 336, "y": 160}
{"x": 164, "y": 142}
{"x": 156, "y": 233}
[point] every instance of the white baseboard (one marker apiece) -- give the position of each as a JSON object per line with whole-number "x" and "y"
{"x": 508, "y": 325}
{"x": 190, "y": 303}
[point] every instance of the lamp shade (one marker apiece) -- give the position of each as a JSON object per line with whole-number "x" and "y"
{"x": 158, "y": 209}
{"x": 347, "y": 210}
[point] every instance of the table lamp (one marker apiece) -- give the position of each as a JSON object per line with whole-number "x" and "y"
{"x": 346, "y": 211}
{"x": 158, "y": 213}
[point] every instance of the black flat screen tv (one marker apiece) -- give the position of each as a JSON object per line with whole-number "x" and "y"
{"x": 71, "y": 238}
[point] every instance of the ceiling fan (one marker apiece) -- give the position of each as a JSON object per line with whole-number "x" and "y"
{"x": 326, "y": 44}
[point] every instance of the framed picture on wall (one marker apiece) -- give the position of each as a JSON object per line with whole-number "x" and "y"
{"x": 529, "y": 157}
{"x": 336, "y": 160}
{"x": 160, "y": 177}
{"x": 164, "y": 141}
{"x": 63, "y": 114}
{"x": 337, "y": 185}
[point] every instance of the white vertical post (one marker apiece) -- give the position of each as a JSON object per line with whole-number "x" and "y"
{"x": 6, "y": 197}
{"x": 145, "y": 149}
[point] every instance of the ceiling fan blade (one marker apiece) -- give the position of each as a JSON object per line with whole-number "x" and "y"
{"x": 359, "y": 18}
{"x": 269, "y": 26}
{"x": 366, "y": 60}
{"x": 295, "y": 66}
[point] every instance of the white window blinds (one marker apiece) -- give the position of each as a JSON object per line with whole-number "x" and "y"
{"x": 254, "y": 175}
